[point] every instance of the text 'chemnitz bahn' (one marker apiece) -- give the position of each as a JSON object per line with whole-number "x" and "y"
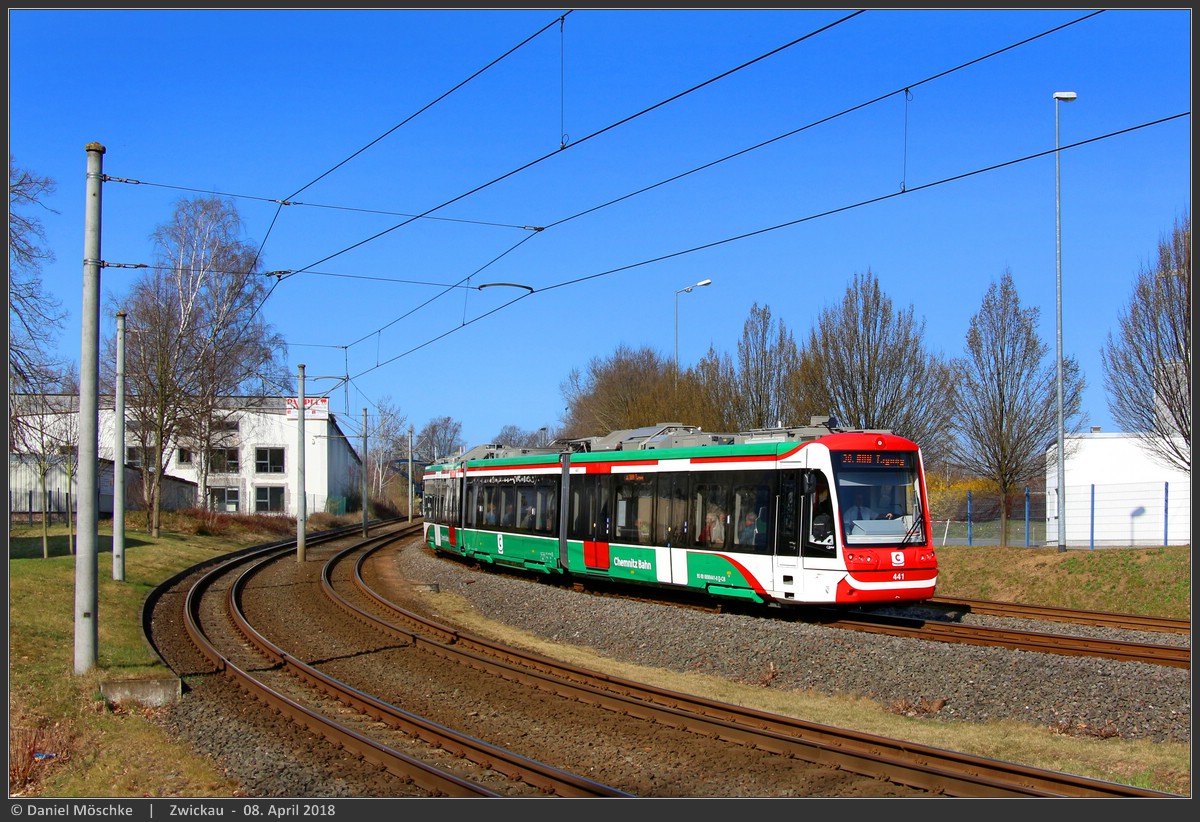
{"x": 776, "y": 516}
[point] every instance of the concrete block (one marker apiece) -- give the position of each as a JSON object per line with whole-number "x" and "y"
{"x": 150, "y": 692}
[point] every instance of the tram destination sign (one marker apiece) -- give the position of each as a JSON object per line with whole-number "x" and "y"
{"x": 871, "y": 459}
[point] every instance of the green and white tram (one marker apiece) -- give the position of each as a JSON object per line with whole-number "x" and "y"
{"x": 786, "y": 516}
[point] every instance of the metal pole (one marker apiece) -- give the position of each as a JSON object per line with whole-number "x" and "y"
{"x": 301, "y": 502}
{"x": 364, "y": 473}
{"x": 118, "y": 571}
{"x": 677, "y": 337}
{"x": 1060, "y": 96}
{"x": 86, "y": 627}
{"x": 677, "y": 293}
{"x": 1166, "y": 511}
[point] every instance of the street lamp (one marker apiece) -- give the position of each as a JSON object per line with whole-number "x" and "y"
{"x": 1060, "y": 97}
{"x": 677, "y": 293}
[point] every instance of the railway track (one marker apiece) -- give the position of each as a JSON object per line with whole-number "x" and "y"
{"x": 926, "y": 770}
{"x": 935, "y": 770}
{"x": 1073, "y": 616}
{"x": 267, "y": 672}
{"x": 1175, "y": 656}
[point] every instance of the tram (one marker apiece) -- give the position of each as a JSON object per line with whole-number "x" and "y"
{"x": 787, "y": 516}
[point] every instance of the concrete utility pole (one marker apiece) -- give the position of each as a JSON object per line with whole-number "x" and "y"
{"x": 364, "y": 473}
{"x": 410, "y": 476}
{"x": 119, "y": 456}
{"x": 87, "y": 522}
{"x": 301, "y": 502}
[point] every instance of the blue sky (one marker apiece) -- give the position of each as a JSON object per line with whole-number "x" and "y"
{"x": 369, "y": 119}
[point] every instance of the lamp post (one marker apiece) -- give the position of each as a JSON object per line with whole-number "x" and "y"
{"x": 410, "y": 476}
{"x": 1060, "y": 97}
{"x": 677, "y": 293}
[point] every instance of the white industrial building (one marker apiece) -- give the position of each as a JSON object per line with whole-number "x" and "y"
{"x": 254, "y": 470}
{"x": 1117, "y": 494}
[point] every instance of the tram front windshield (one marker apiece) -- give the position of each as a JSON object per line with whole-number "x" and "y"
{"x": 879, "y": 496}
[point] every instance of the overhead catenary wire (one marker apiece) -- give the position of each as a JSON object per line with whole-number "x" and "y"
{"x": 758, "y": 232}
{"x": 906, "y": 90}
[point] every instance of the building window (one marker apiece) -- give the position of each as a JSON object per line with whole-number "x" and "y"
{"x": 136, "y": 456}
{"x": 223, "y": 499}
{"x": 268, "y": 499}
{"x": 184, "y": 457}
{"x": 268, "y": 460}
{"x": 223, "y": 461}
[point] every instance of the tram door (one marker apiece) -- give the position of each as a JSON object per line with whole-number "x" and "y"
{"x": 787, "y": 536}
{"x": 671, "y": 527}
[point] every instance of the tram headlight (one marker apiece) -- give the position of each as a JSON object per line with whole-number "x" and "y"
{"x": 861, "y": 560}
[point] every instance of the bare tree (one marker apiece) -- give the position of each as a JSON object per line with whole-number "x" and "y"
{"x": 705, "y": 394}
{"x": 197, "y": 337}
{"x": 868, "y": 361}
{"x": 1148, "y": 367}
{"x": 765, "y": 359}
{"x": 47, "y": 440}
{"x": 440, "y": 439}
{"x": 67, "y": 445}
{"x": 34, "y": 316}
{"x": 517, "y": 437}
{"x": 387, "y": 436}
{"x": 36, "y": 442}
{"x": 630, "y": 389}
{"x": 1006, "y": 406}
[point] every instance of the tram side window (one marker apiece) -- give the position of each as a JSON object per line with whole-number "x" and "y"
{"x": 526, "y": 508}
{"x": 490, "y": 495}
{"x": 452, "y": 503}
{"x": 752, "y": 510}
{"x": 442, "y": 502}
{"x": 435, "y": 503}
{"x": 546, "y": 506}
{"x": 507, "y": 506}
{"x": 479, "y": 505}
{"x": 710, "y": 510}
{"x": 633, "y": 495}
{"x": 430, "y": 502}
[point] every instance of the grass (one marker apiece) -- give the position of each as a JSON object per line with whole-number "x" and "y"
{"x": 64, "y": 738}
{"x": 1149, "y": 581}
{"x": 92, "y": 748}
